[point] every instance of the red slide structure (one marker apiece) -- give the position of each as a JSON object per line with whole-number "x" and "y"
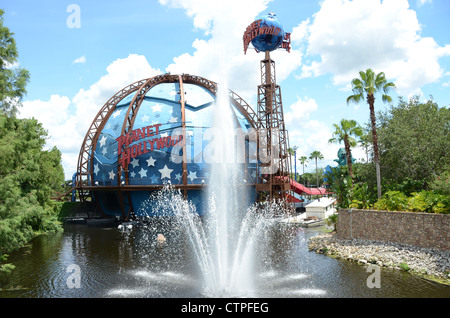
{"x": 302, "y": 190}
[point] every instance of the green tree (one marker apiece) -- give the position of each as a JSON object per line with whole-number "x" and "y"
{"x": 12, "y": 79}
{"x": 365, "y": 141}
{"x": 316, "y": 155}
{"x": 414, "y": 143}
{"x": 303, "y": 161}
{"x": 344, "y": 132}
{"x": 367, "y": 85}
{"x": 293, "y": 152}
{"x": 28, "y": 173}
{"x": 28, "y": 177}
{"x": 340, "y": 185}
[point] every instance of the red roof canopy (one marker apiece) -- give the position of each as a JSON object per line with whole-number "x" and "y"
{"x": 300, "y": 188}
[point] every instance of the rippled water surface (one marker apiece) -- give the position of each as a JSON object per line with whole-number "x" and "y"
{"x": 134, "y": 264}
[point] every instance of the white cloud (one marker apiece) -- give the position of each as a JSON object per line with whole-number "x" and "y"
{"x": 80, "y": 60}
{"x": 422, "y": 2}
{"x": 67, "y": 120}
{"x": 300, "y": 32}
{"x": 222, "y": 53}
{"x": 11, "y": 66}
{"x": 350, "y": 36}
{"x": 54, "y": 114}
{"x": 310, "y": 134}
{"x": 307, "y": 134}
{"x": 300, "y": 111}
{"x": 213, "y": 17}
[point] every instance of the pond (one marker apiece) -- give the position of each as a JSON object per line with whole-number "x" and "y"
{"x": 103, "y": 262}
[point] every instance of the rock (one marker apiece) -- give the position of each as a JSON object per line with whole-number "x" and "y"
{"x": 432, "y": 261}
{"x": 160, "y": 238}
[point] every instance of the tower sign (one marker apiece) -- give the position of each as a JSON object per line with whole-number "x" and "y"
{"x": 266, "y": 34}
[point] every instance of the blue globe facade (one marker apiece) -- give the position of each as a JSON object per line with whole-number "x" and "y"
{"x": 156, "y": 155}
{"x": 273, "y": 34}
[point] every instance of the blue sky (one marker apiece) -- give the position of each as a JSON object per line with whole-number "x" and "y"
{"x": 75, "y": 70}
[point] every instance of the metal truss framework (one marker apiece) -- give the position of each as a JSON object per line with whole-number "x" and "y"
{"x": 85, "y": 173}
{"x": 273, "y": 145}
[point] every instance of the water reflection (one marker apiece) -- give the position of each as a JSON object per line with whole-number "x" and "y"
{"x": 115, "y": 264}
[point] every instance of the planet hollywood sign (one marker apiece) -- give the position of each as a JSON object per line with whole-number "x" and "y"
{"x": 255, "y": 29}
{"x": 148, "y": 139}
{"x": 126, "y": 153}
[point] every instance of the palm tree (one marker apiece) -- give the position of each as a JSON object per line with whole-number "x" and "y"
{"x": 316, "y": 155}
{"x": 344, "y": 133}
{"x": 303, "y": 160}
{"x": 293, "y": 152}
{"x": 367, "y": 85}
{"x": 365, "y": 140}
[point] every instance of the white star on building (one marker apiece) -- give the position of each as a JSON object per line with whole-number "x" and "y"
{"x": 143, "y": 172}
{"x": 96, "y": 169}
{"x": 173, "y": 120}
{"x": 135, "y": 162}
{"x": 157, "y": 108}
{"x": 165, "y": 172}
{"x": 192, "y": 175}
{"x": 102, "y": 141}
{"x": 112, "y": 174}
{"x": 145, "y": 118}
{"x": 151, "y": 162}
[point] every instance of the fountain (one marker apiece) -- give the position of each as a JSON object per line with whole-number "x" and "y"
{"x": 225, "y": 238}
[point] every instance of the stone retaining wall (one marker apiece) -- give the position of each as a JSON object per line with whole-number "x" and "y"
{"x": 412, "y": 228}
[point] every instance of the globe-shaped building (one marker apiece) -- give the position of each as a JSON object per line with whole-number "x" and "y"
{"x": 149, "y": 134}
{"x": 269, "y": 33}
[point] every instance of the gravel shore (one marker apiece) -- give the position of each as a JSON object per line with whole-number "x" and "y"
{"x": 431, "y": 262}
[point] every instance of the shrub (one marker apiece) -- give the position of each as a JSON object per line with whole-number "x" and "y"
{"x": 429, "y": 201}
{"x": 420, "y": 202}
{"x": 441, "y": 183}
{"x": 361, "y": 196}
{"x": 423, "y": 201}
{"x": 332, "y": 220}
{"x": 5, "y": 269}
{"x": 404, "y": 266}
{"x": 392, "y": 201}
